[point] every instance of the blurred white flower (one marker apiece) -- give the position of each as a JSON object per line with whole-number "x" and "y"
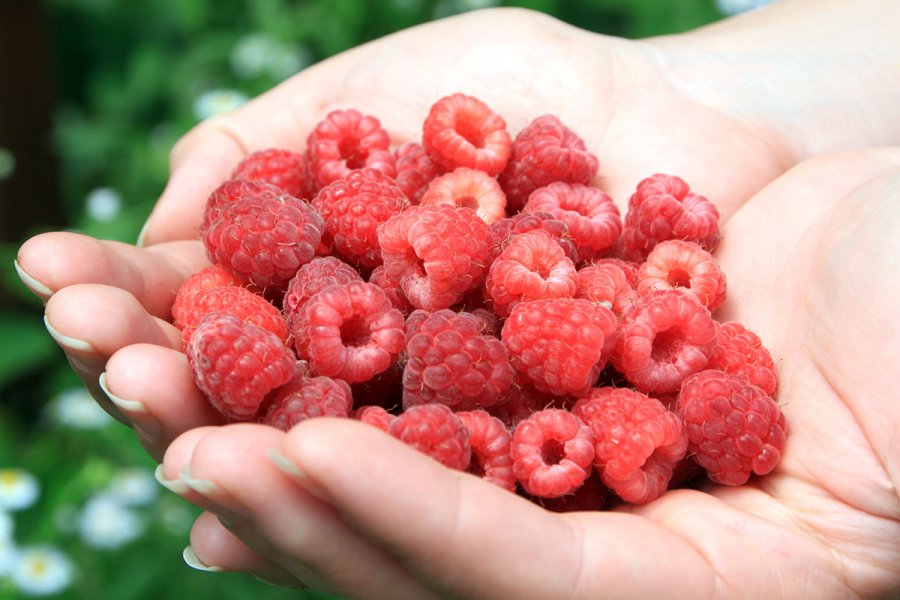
{"x": 106, "y": 523}
{"x": 734, "y": 7}
{"x": 176, "y": 517}
{"x": 76, "y": 408}
{"x": 287, "y": 60}
{"x": 134, "y": 487}
{"x": 7, "y": 164}
{"x": 41, "y": 571}
{"x": 8, "y": 554}
{"x": 258, "y": 53}
{"x": 216, "y": 102}
{"x": 103, "y": 204}
{"x": 7, "y": 526}
{"x": 18, "y": 489}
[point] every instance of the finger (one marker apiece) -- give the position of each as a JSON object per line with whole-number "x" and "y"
{"x": 53, "y": 261}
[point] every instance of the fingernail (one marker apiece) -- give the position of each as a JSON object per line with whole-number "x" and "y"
{"x": 176, "y": 486}
{"x": 133, "y": 406}
{"x": 136, "y": 411}
{"x": 190, "y": 558}
{"x": 36, "y": 287}
{"x": 204, "y": 487}
{"x": 143, "y": 234}
{"x": 68, "y": 343}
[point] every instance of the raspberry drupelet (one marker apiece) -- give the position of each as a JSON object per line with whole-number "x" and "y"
{"x": 471, "y": 188}
{"x": 280, "y": 167}
{"x": 680, "y": 264}
{"x": 463, "y": 131}
{"x": 435, "y": 430}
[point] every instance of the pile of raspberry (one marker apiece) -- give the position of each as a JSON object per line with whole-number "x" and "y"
{"x": 475, "y": 296}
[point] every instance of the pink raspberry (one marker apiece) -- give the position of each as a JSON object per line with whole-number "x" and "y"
{"x": 606, "y": 284}
{"x": 373, "y": 415}
{"x": 628, "y": 267}
{"x": 592, "y": 495}
{"x": 552, "y": 452}
{"x": 312, "y": 278}
{"x": 282, "y": 168}
{"x": 434, "y": 430}
{"x": 208, "y": 278}
{"x": 236, "y": 364}
{"x": 264, "y": 240}
{"x": 462, "y": 131}
{"x": 229, "y": 192}
{"x": 739, "y": 351}
{"x": 354, "y": 206}
{"x": 385, "y": 389}
{"x": 663, "y": 208}
{"x": 532, "y": 266}
{"x": 451, "y": 362}
{"x": 504, "y": 230}
{"x": 558, "y": 344}
{"x": 544, "y": 152}
{"x": 471, "y": 188}
{"x": 591, "y": 215}
{"x": 349, "y": 331}
{"x": 414, "y": 170}
{"x": 521, "y": 401}
{"x": 664, "y": 337}
{"x": 734, "y": 428}
{"x": 345, "y": 140}
{"x": 680, "y": 264}
{"x": 305, "y": 398}
{"x": 637, "y": 442}
{"x": 391, "y": 287}
{"x": 490, "y": 442}
{"x": 437, "y": 253}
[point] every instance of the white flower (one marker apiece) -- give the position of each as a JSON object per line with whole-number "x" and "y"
{"x": 106, "y": 523}
{"x": 103, "y": 204}
{"x": 258, "y": 53}
{"x": 7, "y": 164}
{"x": 41, "y": 571}
{"x": 134, "y": 487}
{"x": 7, "y": 526}
{"x": 217, "y": 102}
{"x": 18, "y": 489}
{"x": 8, "y": 555}
{"x": 76, "y": 408}
{"x": 734, "y": 7}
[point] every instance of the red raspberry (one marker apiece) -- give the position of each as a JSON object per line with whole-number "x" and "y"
{"x": 284, "y": 169}
{"x": 345, "y": 140}
{"x": 391, "y": 288}
{"x": 591, "y": 495}
{"x": 679, "y": 264}
{"x": 349, "y": 331}
{"x": 734, "y": 428}
{"x": 235, "y": 301}
{"x": 471, "y": 188}
{"x": 504, "y": 230}
{"x": 451, "y": 362}
{"x": 353, "y": 207}
{"x": 552, "y": 452}
{"x": 436, "y": 253}
{"x": 376, "y": 416}
{"x": 637, "y": 442}
{"x": 385, "y": 389}
{"x": 462, "y": 131}
{"x": 544, "y": 152}
{"x": 606, "y": 284}
{"x": 490, "y": 324}
{"x": 414, "y": 170}
{"x": 521, "y": 401}
{"x": 305, "y": 398}
{"x": 663, "y": 208}
{"x": 740, "y": 351}
{"x": 664, "y": 337}
{"x": 264, "y": 240}
{"x": 591, "y": 215}
{"x": 532, "y": 266}
{"x": 312, "y": 278}
{"x": 628, "y": 267}
{"x": 490, "y": 442}
{"x": 434, "y": 430}
{"x": 208, "y": 278}
{"x": 228, "y": 193}
{"x": 236, "y": 364}
{"x": 558, "y": 344}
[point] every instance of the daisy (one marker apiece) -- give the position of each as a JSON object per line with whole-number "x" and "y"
{"x": 41, "y": 571}
{"x": 18, "y": 489}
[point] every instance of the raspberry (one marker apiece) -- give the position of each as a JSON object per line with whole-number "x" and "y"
{"x": 679, "y": 264}
{"x": 284, "y": 169}
{"x": 521, "y": 401}
{"x": 345, "y": 140}
{"x": 414, "y": 170}
{"x": 376, "y": 416}
{"x": 663, "y": 208}
{"x": 231, "y": 191}
{"x": 740, "y": 351}
{"x": 208, "y": 278}
{"x": 591, "y": 495}
{"x": 349, "y": 331}
{"x": 471, "y": 188}
{"x": 552, "y": 452}
{"x": 434, "y": 430}
{"x": 235, "y": 301}
{"x": 606, "y": 284}
{"x": 591, "y": 215}
{"x": 664, "y": 337}
{"x": 504, "y": 230}
{"x": 490, "y": 325}
{"x": 391, "y": 288}
{"x": 353, "y": 207}
{"x": 462, "y": 131}
{"x": 451, "y": 362}
{"x": 236, "y": 364}
{"x": 385, "y": 389}
{"x": 312, "y": 278}
{"x": 734, "y": 428}
{"x": 436, "y": 253}
{"x": 637, "y": 442}
{"x": 307, "y": 398}
{"x": 490, "y": 442}
{"x": 558, "y": 344}
{"x": 532, "y": 266}
{"x": 264, "y": 240}
{"x": 628, "y": 267}
{"x": 544, "y": 152}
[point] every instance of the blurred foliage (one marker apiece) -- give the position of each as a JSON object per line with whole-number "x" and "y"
{"x": 133, "y": 76}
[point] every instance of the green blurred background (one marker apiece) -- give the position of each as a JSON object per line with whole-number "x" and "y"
{"x": 93, "y": 94}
